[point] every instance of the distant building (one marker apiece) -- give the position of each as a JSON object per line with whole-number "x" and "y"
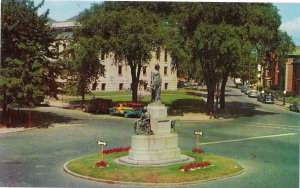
{"x": 292, "y": 72}
{"x": 117, "y": 77}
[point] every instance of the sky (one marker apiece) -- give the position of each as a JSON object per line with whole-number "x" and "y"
{"x": 61, "y": 10}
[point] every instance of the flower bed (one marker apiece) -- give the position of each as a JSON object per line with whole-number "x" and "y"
{"x": 101, "y": 164}
{"x": 198, "y": 150}
{"x": 115, "y": 150}
{"x": 194, "y": 166}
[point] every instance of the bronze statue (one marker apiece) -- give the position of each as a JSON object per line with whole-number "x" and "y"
{"x": 155, "y": 84}
{"x": 142, "y": 125}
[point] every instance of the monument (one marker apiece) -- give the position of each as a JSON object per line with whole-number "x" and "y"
{"x": 155, "y": 141}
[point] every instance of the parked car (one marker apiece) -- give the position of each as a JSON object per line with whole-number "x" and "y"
{"x": 244, "y": 88}
{"x": 137, "y": 110}
{"x": 247, "y": 91}
{"x": 97, "y": 105}
{"x": 295, "y": 107}
{"x": 239, "y": 85}
{"x": 253, "y": 93}
{"x": 260, "y": 96}
{"x": 127, "y": 109}
{"x": 268, "y": 98}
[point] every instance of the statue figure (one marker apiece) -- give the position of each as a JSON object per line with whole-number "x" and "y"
{"x": 155, "y": 84}
{"x": 142, "y": 125}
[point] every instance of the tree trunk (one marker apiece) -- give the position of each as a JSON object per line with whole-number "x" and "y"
{"x": 222, "y": 94}
{"x": 135, "y": 77}
{"x": 134, "y": 90}
{"x": 210, "y": 96}
{"x": 4, "y": 119}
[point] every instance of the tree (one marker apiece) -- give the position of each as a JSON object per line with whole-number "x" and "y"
{"x": 83, "y": 66}
{"x": 130, "y": 33}
{"x": 26, "y": 73}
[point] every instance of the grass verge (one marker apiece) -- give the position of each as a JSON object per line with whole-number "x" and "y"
{"x": 221, "y": 167}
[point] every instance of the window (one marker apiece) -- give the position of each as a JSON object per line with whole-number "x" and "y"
{"x": 120, "y": 69}
{"x": 166, "y": 86}
{"x": 102, "y": 56}
{"x": 121, "y": 86}
{"x": 103, "y": 87}
{"x": 145, "y": 86}
{"x": 165, "y": 71}
{"x": 144, "y": 70}
{"x": 166, "y": 55}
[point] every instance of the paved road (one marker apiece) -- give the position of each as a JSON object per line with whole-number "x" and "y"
{"x": 262, "y": 138}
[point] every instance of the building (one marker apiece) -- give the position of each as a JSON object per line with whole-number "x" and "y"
{"x": 292, "y": 73}
{"x": 117, "y": 77}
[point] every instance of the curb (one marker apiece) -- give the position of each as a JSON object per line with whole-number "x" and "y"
{"x": 16, "y": 131}
{"x": 65, "y": 168}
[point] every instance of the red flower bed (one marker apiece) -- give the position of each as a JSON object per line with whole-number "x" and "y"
{"x": 194, "y": 166}
{"x": 196, "y": 150}
{"x": 114, "y": 150}
{"x": 101, "y": 164}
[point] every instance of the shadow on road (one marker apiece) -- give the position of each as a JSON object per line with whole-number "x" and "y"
{"x": 21, "y": 118}
{"x": 236, "y": 109}
{"x": 180, "y": 106}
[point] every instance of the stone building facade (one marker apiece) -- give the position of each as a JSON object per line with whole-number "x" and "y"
{"x": 117, "y": 77}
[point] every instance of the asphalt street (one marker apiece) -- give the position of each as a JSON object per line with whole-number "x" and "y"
{"x": 263, "y": 138}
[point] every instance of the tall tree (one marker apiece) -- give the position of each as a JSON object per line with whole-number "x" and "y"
{"x": 83, "y": 67}
{"x": 26, "y": 73}
{"x": 131, "y": 34}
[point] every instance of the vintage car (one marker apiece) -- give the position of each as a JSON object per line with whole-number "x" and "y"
{"x": 127, "y": 109}
{"x": 268, "y": 98}
{"x": 97, "y": 105}
{"x": 253, "y": 93}
{"x": 295, "y": 107}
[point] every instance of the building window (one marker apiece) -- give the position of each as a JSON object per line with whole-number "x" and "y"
{"x": 121, "y": 86}
{"x": 166, "y": 55}
{"x": 166, "y": 86}
{"x": 103, "y": 87}
{"x": 145, "y": 86}
{"x": 120, "y": 69}
{"x": 165, "y": 71}
{"x": 144, "y": 70}
{"x": 102, "y": 56}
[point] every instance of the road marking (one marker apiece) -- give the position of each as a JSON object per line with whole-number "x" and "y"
{"x": 250, "y": 138}
{"x": 281, "y": 125}
{"x": 271, "y": 127}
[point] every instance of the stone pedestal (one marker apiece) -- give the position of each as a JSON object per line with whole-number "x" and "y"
{"x": 158, "y": 149}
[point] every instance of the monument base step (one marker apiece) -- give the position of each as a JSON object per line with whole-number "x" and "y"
{"x": 182, "y": 158}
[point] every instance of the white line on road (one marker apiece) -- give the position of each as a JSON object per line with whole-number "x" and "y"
{"x": 250, "y": 138}
{"x": 271, "y": 127}
{"x": 281, "y": 125}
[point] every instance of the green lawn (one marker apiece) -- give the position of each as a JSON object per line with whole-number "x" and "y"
{"x": 183, "y": 99}
{"x": 165, "y": 174}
